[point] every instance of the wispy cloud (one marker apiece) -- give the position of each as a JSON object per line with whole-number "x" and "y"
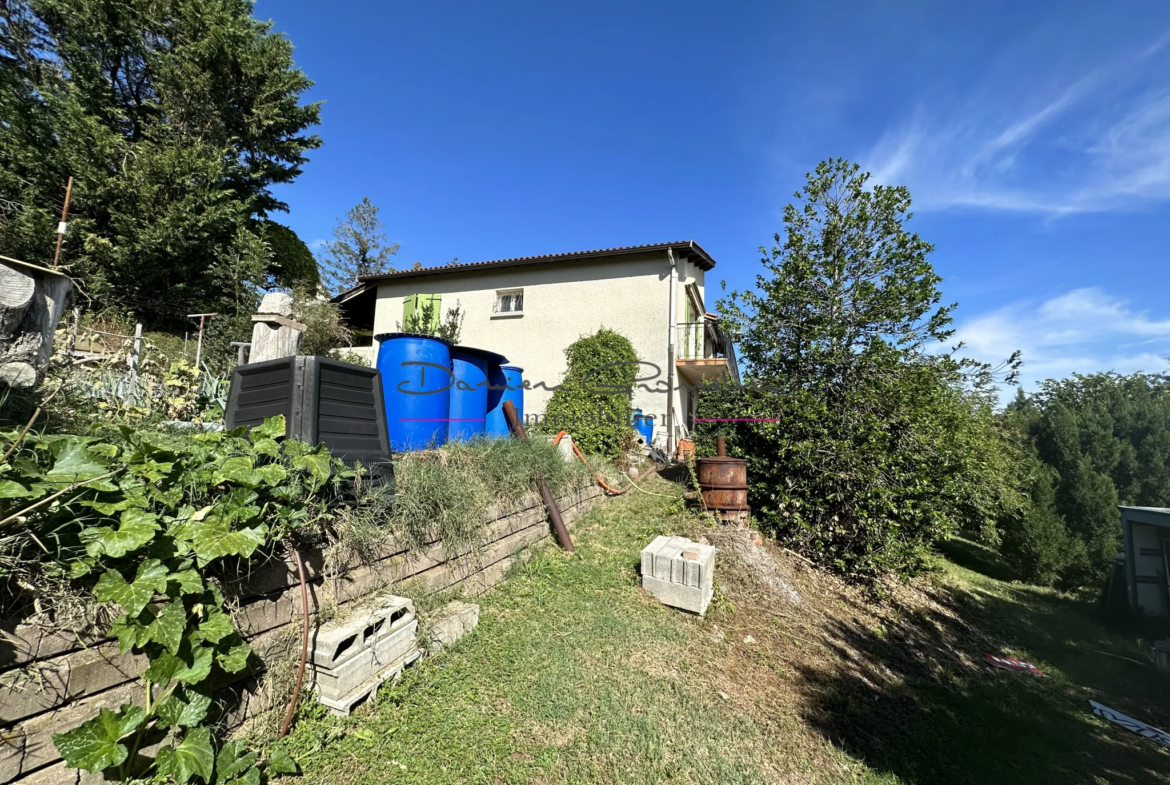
{"x": 1081, "y": 331}
{"x": 317, "y": 244}
{"x": 1095, "y": 143}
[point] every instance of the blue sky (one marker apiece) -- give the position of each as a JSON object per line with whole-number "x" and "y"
{"x": 1035, "y": 139}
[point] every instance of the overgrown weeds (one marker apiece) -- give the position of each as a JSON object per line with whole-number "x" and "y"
{"x": 444, "y": 495}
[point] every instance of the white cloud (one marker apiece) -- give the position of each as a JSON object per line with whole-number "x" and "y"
{"x": 1081, "y": 331}
{"x": 1097, "y": 143}
{"x": 317, "y": 244}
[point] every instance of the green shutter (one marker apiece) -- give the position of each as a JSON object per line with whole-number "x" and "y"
{"x": 417, "y": 304}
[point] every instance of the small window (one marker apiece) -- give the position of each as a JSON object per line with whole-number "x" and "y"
{"x": 509, "y": 302}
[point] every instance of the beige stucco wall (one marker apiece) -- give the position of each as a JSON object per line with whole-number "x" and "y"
{"x": 562, "y": 302}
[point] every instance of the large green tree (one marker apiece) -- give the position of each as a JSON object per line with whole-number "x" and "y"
{"x": 358, "y": 248}
{"x": 175, "y": 118}
{"x": 872, "y": 442}
{"x": 1099, "y": 440}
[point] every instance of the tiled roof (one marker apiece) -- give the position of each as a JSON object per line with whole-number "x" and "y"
{"x": 704, "y": 260}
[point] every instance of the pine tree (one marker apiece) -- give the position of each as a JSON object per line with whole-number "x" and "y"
{"x": 358, "y": 248}
{"x": 175, "y": 118}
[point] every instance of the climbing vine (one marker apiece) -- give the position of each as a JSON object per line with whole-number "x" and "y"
{"x": 151, "y": 523}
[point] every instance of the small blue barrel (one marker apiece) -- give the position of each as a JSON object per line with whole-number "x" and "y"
{"x": 416, "y": 383}
{"x": 469, "y": 395}
{"x": 644, "y": 425}
{"x": 506, "y": 385}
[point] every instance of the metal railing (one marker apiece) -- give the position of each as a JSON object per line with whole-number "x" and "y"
{"x": 693, "y": 341}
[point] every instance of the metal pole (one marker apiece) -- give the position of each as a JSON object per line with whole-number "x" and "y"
{"x": 670, "y": 330}
{"x": 554, "y": 512}
{"x": 61, "y": 226}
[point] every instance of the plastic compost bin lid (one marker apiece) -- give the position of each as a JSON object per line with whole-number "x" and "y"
{"x": 493, "y": 357}
{"x": 384, "y": 336}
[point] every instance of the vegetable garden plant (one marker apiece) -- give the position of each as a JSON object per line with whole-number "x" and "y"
{"x": 151, "y": 522}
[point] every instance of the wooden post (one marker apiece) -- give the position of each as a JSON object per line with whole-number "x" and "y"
{"x": 133, "y": 361}
{"x": 63, "y": 225}
{"x": 199, "y": 344}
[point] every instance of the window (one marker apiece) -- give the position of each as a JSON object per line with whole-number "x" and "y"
{"x": 509, "y": 302}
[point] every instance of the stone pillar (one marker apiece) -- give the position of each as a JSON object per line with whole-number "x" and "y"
{"x": 274, "y": 333}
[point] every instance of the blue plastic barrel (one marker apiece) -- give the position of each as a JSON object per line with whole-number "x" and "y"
{"x": 644, "y": 425}
{"x": 416, "y": 383}
{"x": 469, "y": 395}
{"x": 506, "y": 385}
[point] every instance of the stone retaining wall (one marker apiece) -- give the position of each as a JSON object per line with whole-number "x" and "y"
{"x": 52, "y": 680}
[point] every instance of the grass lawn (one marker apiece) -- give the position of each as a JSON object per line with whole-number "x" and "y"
{"x": 575, "y": 676}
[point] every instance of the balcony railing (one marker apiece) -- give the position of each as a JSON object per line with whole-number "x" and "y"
{"x": 694, "y": 341}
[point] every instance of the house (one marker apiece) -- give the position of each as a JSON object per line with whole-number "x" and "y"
{"x": 532, "y": 308}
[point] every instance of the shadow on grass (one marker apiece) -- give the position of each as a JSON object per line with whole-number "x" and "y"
{"x": 915, "y": 700}
{"x": 973, "y": 556}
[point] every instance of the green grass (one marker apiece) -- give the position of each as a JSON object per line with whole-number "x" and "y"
{"x": 575, "y": 676}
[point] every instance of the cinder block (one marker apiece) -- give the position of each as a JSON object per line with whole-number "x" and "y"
{"x": 453, "y": 622}
{"x": 336, "y": 683}
{"x": 676, "y": 595}
{"x": 345, "y": 704}
{"x": 339, "y": 641}
{"x": 680, "y": 573}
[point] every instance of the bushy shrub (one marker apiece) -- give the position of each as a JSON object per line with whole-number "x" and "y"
{"x": 325, "y": 330}
{"x": 593, "y": 400}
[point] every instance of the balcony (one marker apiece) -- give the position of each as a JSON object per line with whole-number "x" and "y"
{"x": 703, "y": 353}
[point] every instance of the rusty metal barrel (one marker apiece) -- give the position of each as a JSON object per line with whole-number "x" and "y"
{"x": 723, "y": 481}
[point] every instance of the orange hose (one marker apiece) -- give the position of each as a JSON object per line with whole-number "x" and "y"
{"x": 615, "y": 491}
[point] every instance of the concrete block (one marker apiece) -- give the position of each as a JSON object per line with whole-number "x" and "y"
{"x": 677, "y": 595}
{"x": 345, "y": 704}
{"x": 452, "y": 623}
{"x": 360, "y": 630}
{"x": 680, "y": 573}
{"x": 336, "y": 683}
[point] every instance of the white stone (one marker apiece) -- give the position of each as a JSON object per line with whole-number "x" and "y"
{"x": 452, "y": 623}
{"x": 360, "y": 629}
{"x": 279, "y": 303}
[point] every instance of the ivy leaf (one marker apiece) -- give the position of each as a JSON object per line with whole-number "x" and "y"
{"x": 73, "y": 463}
{"x": 281, "y": 762}
{"x": 193, "y": 756}
{"x": 233, "y": 759}
{"x": 234, "y": 657}
{"x": 273, "y": 428}
{"x": 80, "y": 568}
{"x": 129, "y": 632}
{"x": 111, "y": 508}
{"x": 237, "y": 470}
{"x": 213, "y": 538}
{"x": 136, "y": 529}
{"x": 93, "y": 745}
{"x": 10, "y": 489}
{"x": 133, "y": 596}
{"x": 185, "y": 708}
{"x": 216, "y": 627}
{"x": 169, "y": 625}
{"x": 252, "y": 777}
{"x": 317, "y": 464}
{"x": 199, "y": 668}
{"x": 272, "y": 474}
{"x": 187, "y": 582}
{"x": 266, "y": 447}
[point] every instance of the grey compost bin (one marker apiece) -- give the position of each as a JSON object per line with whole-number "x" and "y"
{"x": 323, "y": 402}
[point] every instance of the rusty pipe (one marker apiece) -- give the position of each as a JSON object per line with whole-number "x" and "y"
{"x": 720, "y": 447}
{"x": 554, "y": 512}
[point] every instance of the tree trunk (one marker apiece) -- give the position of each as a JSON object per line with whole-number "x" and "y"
{"x": 17, "y": 289}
